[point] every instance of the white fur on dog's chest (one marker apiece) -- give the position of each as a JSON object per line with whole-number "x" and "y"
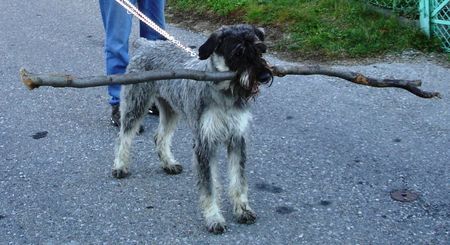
{"x": 218, "y": 124}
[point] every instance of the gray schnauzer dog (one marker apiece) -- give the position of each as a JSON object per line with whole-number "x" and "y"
{"x": 217, "y": 112}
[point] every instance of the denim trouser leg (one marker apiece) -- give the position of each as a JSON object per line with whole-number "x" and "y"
{"x": 117, "y": 25}
{"x": 153, "y": 9}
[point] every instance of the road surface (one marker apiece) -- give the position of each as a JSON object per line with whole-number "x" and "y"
{"x": 323, "y": 158}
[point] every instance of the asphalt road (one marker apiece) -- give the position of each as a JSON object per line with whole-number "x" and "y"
{"x": 324, "y": 154}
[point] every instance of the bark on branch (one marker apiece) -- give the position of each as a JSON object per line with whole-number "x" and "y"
{"x": 33, "y": 81}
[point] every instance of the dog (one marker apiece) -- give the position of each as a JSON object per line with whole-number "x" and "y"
{"x": 217, "y": 112}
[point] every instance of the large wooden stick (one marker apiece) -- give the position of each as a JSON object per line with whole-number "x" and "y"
{"x": 33, "y": 81}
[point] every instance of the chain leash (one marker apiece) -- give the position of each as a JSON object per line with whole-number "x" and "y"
{"x": 135, "y": 11}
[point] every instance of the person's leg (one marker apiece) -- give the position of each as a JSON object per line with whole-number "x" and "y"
{"x": 153, "y": 9}
{"x": 117, "y": 25}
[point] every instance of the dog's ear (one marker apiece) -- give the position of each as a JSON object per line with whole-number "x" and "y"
{"x": 260, "y": 33}
{"x": 209, "y": 46}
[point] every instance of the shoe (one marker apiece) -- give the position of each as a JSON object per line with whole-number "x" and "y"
{"x": 115, "y": 118}
{"x": 153, "y": 110}
{"x": 115, "y": 115}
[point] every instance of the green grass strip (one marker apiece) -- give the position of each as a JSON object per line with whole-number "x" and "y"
{"x": 326, "y": 29}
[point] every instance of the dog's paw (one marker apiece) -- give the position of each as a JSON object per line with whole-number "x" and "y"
{"x": 217, "y": 227}
{"x": 120, "y": 173}
{"x": 173, "y": 169}
{"x": 246, "y": 216}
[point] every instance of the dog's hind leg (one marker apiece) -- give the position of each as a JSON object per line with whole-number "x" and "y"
{"x": 238, "y": 182}
{"x": 206, "y": 164}
{"x": 168, "y": 119}
{"x": 135, "y": 100}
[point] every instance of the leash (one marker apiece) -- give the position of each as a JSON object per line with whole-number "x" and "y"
{"x": 142, "y": 17}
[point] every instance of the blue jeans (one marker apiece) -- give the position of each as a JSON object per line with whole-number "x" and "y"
{"x": 117, "y": 25}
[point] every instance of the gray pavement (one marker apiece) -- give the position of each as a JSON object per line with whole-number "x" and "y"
{"x": 323, "y": 158}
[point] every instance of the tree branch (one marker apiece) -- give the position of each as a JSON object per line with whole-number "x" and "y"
{"x": 33, "y": 81}
{"x": 409, "y": 85}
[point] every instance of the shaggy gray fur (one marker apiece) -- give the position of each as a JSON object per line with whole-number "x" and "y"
{"x": 217, "y": 112}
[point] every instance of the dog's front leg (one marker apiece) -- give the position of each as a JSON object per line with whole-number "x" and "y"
{"x": 238, "y": 182}
{"x": 206, "y": 164}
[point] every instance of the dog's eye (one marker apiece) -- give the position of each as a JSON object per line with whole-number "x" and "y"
{"x": 238, "y": 50}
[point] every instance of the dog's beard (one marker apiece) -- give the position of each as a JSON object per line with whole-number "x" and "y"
{"x": 247, "y": 84}
{"x": 245, "y": 87}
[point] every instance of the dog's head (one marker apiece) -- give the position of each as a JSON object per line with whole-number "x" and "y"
{"x": 239, "y": 48}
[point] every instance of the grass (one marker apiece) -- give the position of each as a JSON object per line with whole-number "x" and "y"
{"x": 325, "y": 29}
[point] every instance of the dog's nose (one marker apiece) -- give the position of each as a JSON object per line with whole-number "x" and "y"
{"x": 265, "y": 77}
